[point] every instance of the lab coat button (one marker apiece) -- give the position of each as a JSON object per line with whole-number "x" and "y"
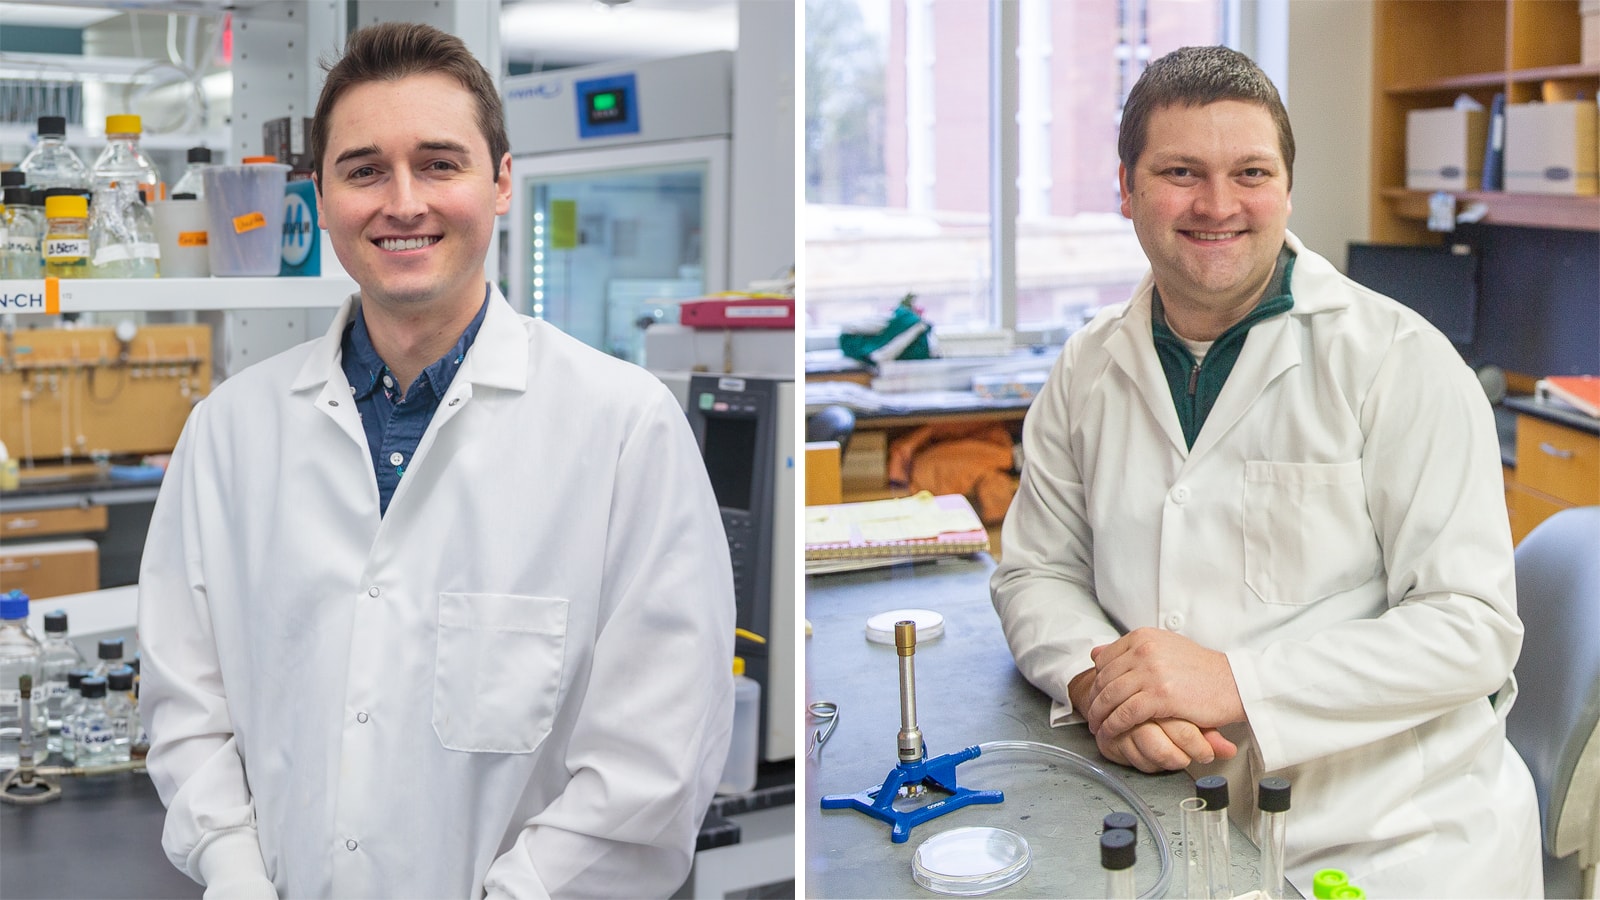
{"x": 396, "y": 458}
{"x": 361, "y": 717}
{"x": 350, "y": 844}
{"x": 1180, "y": 494}
{"x": 1175, "y": 622}
{"x": 372, "y": 592}
{"x": 388, "y": 382}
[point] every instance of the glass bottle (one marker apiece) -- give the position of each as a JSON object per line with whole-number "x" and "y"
{"x": 58, "y": 656}
{"x": 1272, "y": 796}
{"x": 193, "y": 181}
{"x": 19, "y": 655}
{"x": 52, "y": 163}
{"x": 1118, "y": 847}
{"x": 120, "y": 712}
{"x": 121, "y": 228}
{"x": 66, "y": 238}
{"x": 71, "y": 709}
{"x": 24, "y": 230}
{"x": 92, "y": 729}
{"x": 109, "y": 652}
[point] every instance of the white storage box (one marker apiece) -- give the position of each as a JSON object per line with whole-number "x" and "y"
{"x": 1551, "y": 148}
{"x": 1444, "y": 149}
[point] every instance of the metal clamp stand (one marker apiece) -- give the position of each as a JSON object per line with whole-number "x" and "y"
{"x": 915, "y": 774}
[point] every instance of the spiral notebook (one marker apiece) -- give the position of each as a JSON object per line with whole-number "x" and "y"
{"x": 915, "y": 526}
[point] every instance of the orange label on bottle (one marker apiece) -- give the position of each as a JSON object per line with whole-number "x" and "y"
{"x": 194, "y": 238}
{"x": 248, "y": 222}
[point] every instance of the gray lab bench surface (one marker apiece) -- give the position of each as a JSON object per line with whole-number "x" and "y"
{"x": 968, "y": 692}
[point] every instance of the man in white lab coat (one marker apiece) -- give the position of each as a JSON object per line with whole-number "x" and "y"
{"x": 1261, "y": 530}
{"x": 440, "y": 604}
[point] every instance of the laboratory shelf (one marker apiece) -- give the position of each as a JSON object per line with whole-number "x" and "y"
{"x": 174, "y": 294}
{"x": 1529, "y": 210}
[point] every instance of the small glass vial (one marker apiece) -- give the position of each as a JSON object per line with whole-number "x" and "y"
{"x": 92, "y": 731}
{"x": 110, "y": 653}
{"x": 1118, "y": 847}
{"x": 71, "y": 709}
{"x": 1213, "y": 789}
{"x": 1272, "y": 796}
{"x": 121, "y": 713}
{"x": 59, "y": 657}
{"x": 66, "y": 239}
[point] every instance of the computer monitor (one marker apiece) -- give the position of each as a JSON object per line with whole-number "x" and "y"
{"x": 1441, "y": 283}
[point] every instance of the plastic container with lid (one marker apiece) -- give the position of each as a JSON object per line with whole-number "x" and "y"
{"x": 739, "y": 772}
{"x": 245, "y": 207}
{"x": 970, "y": 861}
{"x": 182, "y": 230}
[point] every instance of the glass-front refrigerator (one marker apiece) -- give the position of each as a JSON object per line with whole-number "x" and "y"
{"x": 604, "y": 242}
{"x": 620, "y": 200}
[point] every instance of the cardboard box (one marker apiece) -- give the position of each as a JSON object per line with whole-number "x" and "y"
{"x": 50, "y": 568}
{"x": 1553, "y": 148}
{"x": 1444, "y": 149}
{"x": 1591, "y": 44}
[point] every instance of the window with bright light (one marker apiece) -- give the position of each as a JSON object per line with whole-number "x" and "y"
{"x": 899, "y": 163}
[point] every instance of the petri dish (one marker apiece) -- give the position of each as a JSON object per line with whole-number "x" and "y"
{"x": 880, "y": 628}
{"x": 970, "y": 861}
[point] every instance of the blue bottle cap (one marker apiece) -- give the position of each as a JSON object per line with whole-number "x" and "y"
{"x": 14, "y": 605}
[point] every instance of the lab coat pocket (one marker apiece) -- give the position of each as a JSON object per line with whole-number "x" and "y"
{"x": 497, "y": 671}
{"x": 1306, "y": 530}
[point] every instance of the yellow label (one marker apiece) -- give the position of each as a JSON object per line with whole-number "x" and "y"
{"x": 52, "y": 295}
{"x": 563, "y": 224}
{"x": 248, "y": 222}
{"x": 196, "y": 238}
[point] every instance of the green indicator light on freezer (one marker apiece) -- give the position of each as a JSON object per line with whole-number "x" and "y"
{"x": 605, "y": 102}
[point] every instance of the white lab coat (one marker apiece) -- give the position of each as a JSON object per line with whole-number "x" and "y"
{"x": 518, "y": 678}
{"x": 1340, "y": 531}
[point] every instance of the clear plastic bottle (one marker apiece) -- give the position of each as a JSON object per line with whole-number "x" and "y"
{"x": 122, "y": 229}
{"x": 1272, "y": 797}
{"x": 1118, "y": 847}
{"x": 92, "y": 729}
{"x": 52, "y": 163}
{"x": 58, "y": 656}
{"x": 66, "y": 237}
{"x": 19, "y": 655}
{"x": 193, "y": 180}
{"x": 109, "y": 651}
{"x": 739, "y": 772}
{"x": 120, "y": 712}
{"x": 24, "y": 230}
{"x": 71, "y": 710}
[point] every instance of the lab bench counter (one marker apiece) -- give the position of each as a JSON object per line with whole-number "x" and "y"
{"x": 968, "y": 692}
{"x": 101, "y": 839}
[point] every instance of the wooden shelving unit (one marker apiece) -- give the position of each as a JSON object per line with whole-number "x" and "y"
{"x": 1426, "y": 53}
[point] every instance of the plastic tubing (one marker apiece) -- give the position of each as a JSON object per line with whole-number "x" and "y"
{"x": 1085, "y": 766}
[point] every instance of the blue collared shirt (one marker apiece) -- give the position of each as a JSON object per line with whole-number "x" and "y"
{"x": 395, "y": 424}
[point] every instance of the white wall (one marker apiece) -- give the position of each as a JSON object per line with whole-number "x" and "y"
{"x": 1330, "y": 104}
{"x": 762, "y": 221}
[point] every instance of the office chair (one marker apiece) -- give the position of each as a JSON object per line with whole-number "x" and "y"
{"x": 1555, "y": 723}
{"x": 831, "y": 423}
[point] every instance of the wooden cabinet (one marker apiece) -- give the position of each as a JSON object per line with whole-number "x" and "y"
{"x": 1557, "y": 467}
{"x": 42, "y": 522}
{"x": 1426, "y": 53}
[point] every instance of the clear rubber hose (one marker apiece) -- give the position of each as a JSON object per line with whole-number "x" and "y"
{"x": 1085, "y": 766}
